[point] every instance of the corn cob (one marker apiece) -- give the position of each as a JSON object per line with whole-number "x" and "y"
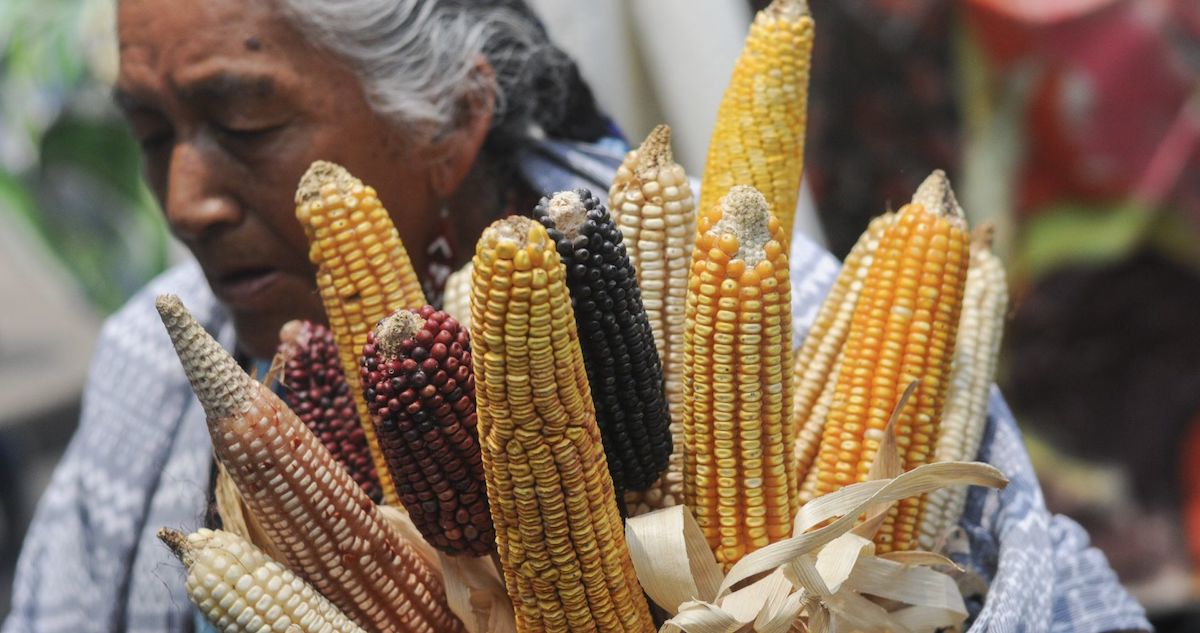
{"x": 903, "y": 329}
{"x": 363, "y": 273}
{"x": 808, "y": 437}
{"x": 328, "y": 529}
{"x": 315, "y": 388}
{"x": 456, "y": 297}
{"x": 739, "y": 477}
{"x": 976, "y": 351}
{"x": 651, "y": 201}
{"x": 417, "y": 380}
{"x": 558, "y": 531}
{"x": 239, "y": 589}
{"x": 814, "y": 369}
{"x": 758, "y": 138}
{"x": 623, "y": 369}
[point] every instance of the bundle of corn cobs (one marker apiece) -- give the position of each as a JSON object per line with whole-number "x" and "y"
{"x": 593, "y": 364}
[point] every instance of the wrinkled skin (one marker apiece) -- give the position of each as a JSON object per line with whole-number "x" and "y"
{"x": 231, "y": 105}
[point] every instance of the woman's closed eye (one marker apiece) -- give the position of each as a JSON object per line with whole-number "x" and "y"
{"x": 247, "y": 134}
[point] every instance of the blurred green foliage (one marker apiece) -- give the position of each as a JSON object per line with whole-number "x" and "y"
{"x": 69, "y": 168}
{"x": 1072, "y": 234}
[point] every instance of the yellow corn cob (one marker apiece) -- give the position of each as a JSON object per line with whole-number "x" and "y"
{"x": 739, "y": 475}
{"x": 980, "y": 327}
{"x": 239, "y": 589}
{"x": 758, "y": 138}
{"x": 363, "y": 273}
{"x": 814, "y": 370}
{"x": 326, "y": 527}
{"x": 903, "y": 329}
{"x": 558, "y": 531}
{"x": 651, "y": 202}
{"x": 456, "y": 298}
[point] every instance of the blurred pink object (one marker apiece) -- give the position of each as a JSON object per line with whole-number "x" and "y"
{"x": 1111, "y": 114}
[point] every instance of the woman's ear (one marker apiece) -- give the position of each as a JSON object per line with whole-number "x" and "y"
{"x": 457, "y": 149}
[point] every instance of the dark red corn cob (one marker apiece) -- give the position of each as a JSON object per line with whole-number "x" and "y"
{"x": 418, "y": 383}
{"x": 315, "y": 388}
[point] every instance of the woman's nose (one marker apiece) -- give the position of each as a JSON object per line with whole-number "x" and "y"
{"x": 198, "y": 198}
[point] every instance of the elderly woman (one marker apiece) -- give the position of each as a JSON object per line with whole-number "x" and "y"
{"x": 457, "y": 111}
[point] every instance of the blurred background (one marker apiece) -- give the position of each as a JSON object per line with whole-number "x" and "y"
{"x": 1072, "y": 125}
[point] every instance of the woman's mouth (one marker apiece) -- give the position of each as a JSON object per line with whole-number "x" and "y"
{"x": 247, "y": 287}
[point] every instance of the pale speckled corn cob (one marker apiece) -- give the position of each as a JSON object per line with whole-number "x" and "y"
{"x": 758, "y": 138}
{"x": 976, "y": 353}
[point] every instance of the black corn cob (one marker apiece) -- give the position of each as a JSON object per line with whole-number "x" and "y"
{"x": 419, "y": 385}
{"x": 315, "y": 388}
{"x": 623, "y": 368}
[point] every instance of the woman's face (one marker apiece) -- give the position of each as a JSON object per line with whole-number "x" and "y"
{"x": 231, "y": 106}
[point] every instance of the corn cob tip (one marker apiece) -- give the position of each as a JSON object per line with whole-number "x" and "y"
{"x": 220, "y": 384}
{"x": 787, "y": 9}
{"x": 177, "y": 542}
{"x": 745, "y": 215}
{"x": 293, "y": 337}
{"x": 394, "y": 329}
{"x": 983, "y": 236}
{"x": 655, "y": 152}
{"x": 568, "y": 212}
{"x": 936, "y": 195}
{"x": 292, "y": 332}
{"x": 516, "y": 229}
{"x": 318, "y": 175}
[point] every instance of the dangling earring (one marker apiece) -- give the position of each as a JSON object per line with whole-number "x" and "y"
{"x": 439, "y": 258}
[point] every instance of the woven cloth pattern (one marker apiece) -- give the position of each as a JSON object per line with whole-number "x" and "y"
{"x": 141, "y": 460}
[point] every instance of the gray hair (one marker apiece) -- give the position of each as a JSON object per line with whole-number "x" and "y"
{"x": 418, "y": 62}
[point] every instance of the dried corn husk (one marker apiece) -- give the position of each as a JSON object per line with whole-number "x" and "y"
{"x": 817, "y": 580}
{"x": 823, "y": 576}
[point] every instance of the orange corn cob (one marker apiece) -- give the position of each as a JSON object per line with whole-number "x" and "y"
{"x": 739, "y": 475}
{"x": 903, "y": 329}
{"x": 814, "y": 371}
{"x": 363, "y": 273}
{"x": 329, "y": 530}
{"x": 558, "y": 531}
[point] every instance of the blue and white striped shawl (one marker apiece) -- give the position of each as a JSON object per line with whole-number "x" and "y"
{"x": 141, "y": 460}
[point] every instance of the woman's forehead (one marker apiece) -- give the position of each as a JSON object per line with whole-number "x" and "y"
{"x": 189, "y": 31}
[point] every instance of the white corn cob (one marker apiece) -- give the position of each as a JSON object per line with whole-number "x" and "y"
{"x": 326, "y": 526}
{"x": 651, "y": 202}
{"x": 808, "y": 439}
{"x": 456, "y": 297}
{"x": 975, "y": 355}
{"x": 239, "y": 589}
